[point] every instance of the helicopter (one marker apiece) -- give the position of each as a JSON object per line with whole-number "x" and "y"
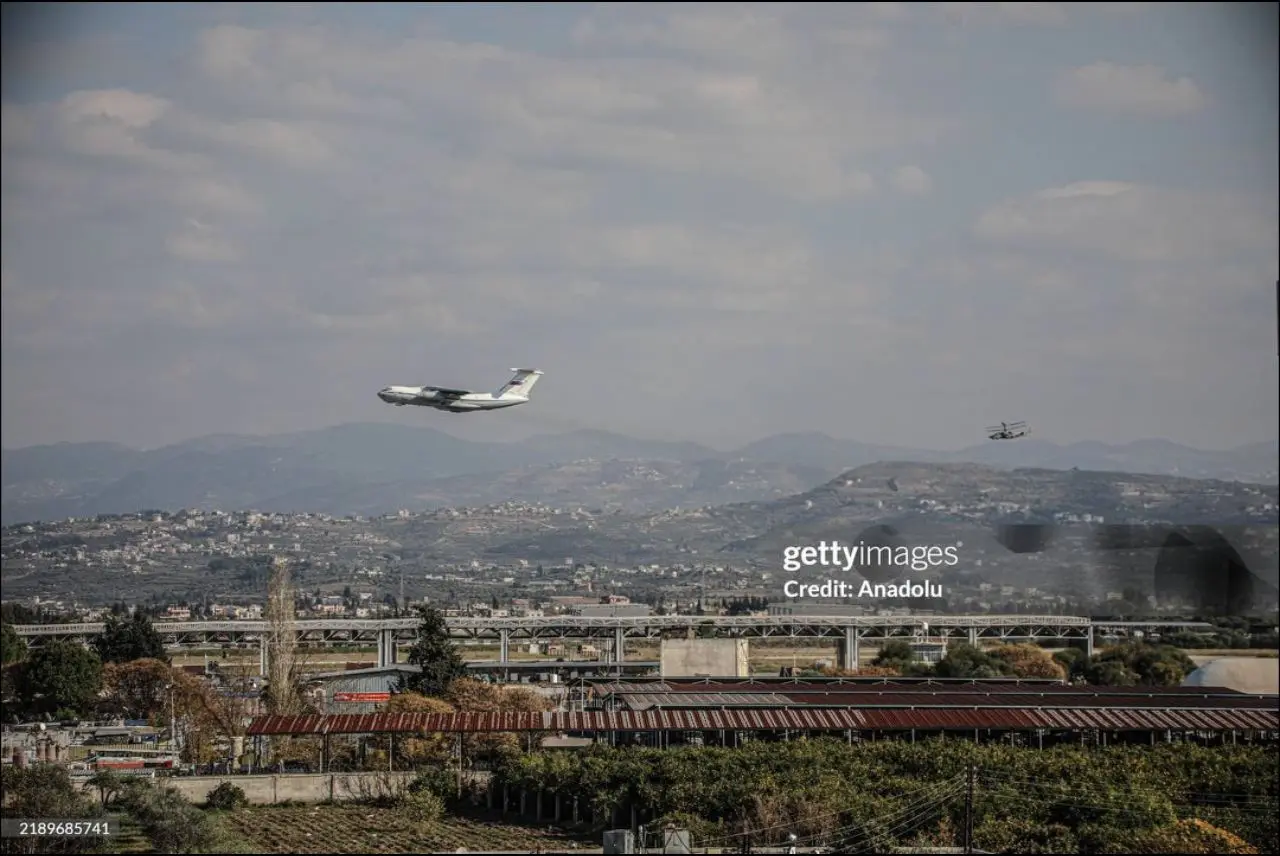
{"x": 1008, "y": 431}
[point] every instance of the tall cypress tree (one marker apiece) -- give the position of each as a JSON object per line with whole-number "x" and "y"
{"x": 435, "y": 654}
{"x": 124, "y": 640}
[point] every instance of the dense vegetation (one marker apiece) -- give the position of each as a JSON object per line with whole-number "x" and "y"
{"x": 1128, "y": 664}
{"x": 45, "y": 791}
{"x": 867, "y": 797}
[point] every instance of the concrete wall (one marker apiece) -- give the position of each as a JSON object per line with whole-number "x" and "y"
{"x": 298, "y": 787}
{"x": 305, "y": 787}
{"x": 717, "y": 658}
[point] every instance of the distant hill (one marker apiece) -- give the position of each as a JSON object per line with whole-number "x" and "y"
{"x": 1076, "y": 530}
{"x": 1077, "y": 533}
{"x": 370, "y": 468}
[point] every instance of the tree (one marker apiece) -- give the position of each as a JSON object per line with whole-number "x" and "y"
{"x": 419, "y": 749}
{"x": 894, "y": 654}
{"x": 282, "y": 696}
{"x": 125, "y": 639}
{"x": 12, "y": 646}
{"x": 140, "y": 689}
{"x": 471, "y": 696}
{"x": 1149, "y": 665}
{"x": 108, "y": 784}
{"x": 46, "y": 790}
{"x": 968, "y": 661}
{"x": 1028, "y": 661}
{"x": 1184, "y": 836}
{"x": 59, "y": 676}
{"x": 1110, "y": 673}
{"x": 435, "y": 654}
{"x": 1074, "y": 660}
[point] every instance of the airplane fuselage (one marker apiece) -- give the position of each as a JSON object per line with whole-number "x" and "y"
{"x": 426, "y": 397}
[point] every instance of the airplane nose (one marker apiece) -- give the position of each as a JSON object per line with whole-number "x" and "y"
{"x": 383, "y": 395}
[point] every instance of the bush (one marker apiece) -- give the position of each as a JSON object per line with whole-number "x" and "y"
{"x": 1183, "y": 836}
{"x": 422, "y": 808}
{"x": 436, "y": 780}
{"x": 173, "y": 824}
{"x": 226, "y": 797}
{"x": 45, "y": 790}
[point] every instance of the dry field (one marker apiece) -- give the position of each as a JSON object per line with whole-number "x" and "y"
{"x": 362, "y": 829}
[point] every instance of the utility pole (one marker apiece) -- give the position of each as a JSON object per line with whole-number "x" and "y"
{"x": 459, "y": 765}
{"x": 968, "y": 809}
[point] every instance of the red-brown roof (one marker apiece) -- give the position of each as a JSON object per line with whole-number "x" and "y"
{"x": 777, "y": 720}
{"x": 889, "y": 685}
{"x": 674, "y": 700}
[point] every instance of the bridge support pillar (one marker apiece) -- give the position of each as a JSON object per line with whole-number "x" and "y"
{"x": 848, "y": 654}
{"x": 619, "y": 647}
{"x": 262, "y": 657}
{"x": 1088, "y": 642}
{"x": 386, "y": 648}
{"x": 973, "y": 636}
{"x": 504, "y": 646}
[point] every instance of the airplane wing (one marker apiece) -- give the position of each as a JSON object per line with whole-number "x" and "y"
{"x": 447, "y": 393}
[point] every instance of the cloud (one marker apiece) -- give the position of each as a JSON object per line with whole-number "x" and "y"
{"x": 912, "y": 180}
{"x": 196, "y": 242}
{"x": 694, "y": 212}
{"x": 1140, "y": 90}
{"x": 1132, "y": 222}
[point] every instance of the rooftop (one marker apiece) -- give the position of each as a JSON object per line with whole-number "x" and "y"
{"x": 848, "y": 719}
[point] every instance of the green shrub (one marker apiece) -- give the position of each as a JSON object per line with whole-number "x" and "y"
{"x": 437, "y": 780}
{"x": 422, "y": 808}
{"x": 173, "y": 824}
{"x": 226, "y": 797}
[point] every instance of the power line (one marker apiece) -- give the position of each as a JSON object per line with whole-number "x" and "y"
{"x": 927, "y": 797}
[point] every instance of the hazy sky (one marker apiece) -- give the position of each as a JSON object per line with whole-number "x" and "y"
{"x": 888, "y": 222}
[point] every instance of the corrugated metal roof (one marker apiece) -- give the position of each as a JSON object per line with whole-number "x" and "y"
{"x": 967, "y": 687}
{"x": 394, "y": 671}
{"x": 357, "y": 683}
{"x": 643, "y": 701}
{"x": 1073, "y": 720}
{"x": 777, "y": 720}
{"x": 669, "y": 700}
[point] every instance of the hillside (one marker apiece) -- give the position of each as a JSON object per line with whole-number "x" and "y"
{"x": 1076, "y": 532}
{"x": 924, "y": 498}
{"x": 374, "y": 468}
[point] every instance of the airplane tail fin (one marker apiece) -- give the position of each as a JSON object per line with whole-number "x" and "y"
{"x": 521, "y": 384}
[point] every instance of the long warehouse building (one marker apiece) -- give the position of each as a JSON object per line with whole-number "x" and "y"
{"x": 664, "y": 713}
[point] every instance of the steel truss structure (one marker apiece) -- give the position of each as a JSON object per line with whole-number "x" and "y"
{"x": 848, "y": 630}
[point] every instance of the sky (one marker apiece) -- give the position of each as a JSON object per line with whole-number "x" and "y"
{"x": 895, "y": 223}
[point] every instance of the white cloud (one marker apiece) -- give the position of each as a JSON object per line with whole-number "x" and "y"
{"x": 799, "y": 130}
{"x": 197, "y": 242}
{"x": 1142, "y": 90}
{"x": 912, "y": 180}
{"x": 130, "y": 109}
{"x": 1133, "y": 223}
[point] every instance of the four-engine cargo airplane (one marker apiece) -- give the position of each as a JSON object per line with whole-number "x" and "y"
{"x": 515, "y": 391}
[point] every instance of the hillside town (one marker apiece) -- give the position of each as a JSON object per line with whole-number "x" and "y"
{"x": 195, "y": 564}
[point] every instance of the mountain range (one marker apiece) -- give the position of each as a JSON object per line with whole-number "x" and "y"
{"x": 374, "y": 468}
